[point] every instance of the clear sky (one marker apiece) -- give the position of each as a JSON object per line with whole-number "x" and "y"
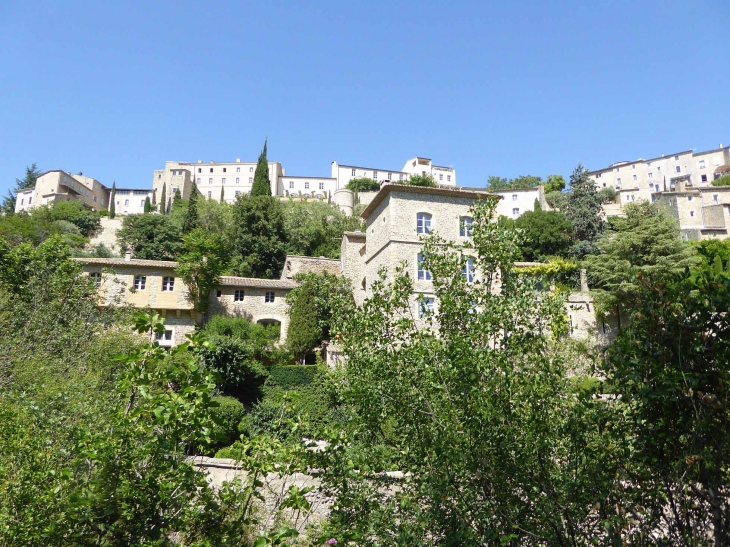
{"x": 114, "y": 89}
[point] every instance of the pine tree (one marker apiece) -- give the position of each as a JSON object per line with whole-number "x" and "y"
{"x": 113, "y": 201}
{"x": 584, "y": 210}
{"x": 147, "y": 205}
{"x": 261, "y": 184}
{"x": 191, "y": 217}
{"x": 163, "y": 199}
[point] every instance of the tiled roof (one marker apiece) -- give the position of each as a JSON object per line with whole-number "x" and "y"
{"x": 133, "y": 262}
{"x": 231, "y": 281}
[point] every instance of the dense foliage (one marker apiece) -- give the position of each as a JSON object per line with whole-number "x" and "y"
{"x": 204, "y": 259}
{"x": 150, "y": 237}
{"x": 363, "y": 184}
{"x": 259, "y": 237}
{"x": 545, "y": 233}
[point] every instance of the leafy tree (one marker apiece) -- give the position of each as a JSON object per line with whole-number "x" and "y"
{"x": 584, "y": 207}
{"x": 670, "y": 375}
{"x": 191, "y": 217}
{"x": 607, "y": 194}
{"x": 151, "y": 237}
{"x": 647, "y": 241}
{"x": 421, "y": 180}
{"x": 312, "y": 308}
{"x": 261, "y": 183}
{"x": 554, "y": 183}
{"x": 28, "y": 181}
{"x": 113, "y": 201}
{"x": 710, "y": 250}
{"x": 557, "y": 200}
{"x": 722, "y": 181}
{"x": 546, "y": 233}
{"x": 74, "y": 212}
{"x": 475, "y": 408}
{"x": 497, "y": 183}
{"x": 258, "y": 237}
{"x": 315, "y": 228}
{"x": 363, "y": 184}
{"x": 524, "y": 181}
{"x": 163, "y": 199}
{"x": 204, "y": 258}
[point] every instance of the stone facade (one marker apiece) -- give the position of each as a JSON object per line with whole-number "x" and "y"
{"x": 703, "y": 213}
{"x": 55, "y": 185}
{"x": 107, "y": 234}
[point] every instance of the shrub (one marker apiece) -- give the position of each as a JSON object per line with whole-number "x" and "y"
{"x": 722, "y": 181}
{"x": 227, "y": 415}
{"x": 556, "y": 200}
{"x": 363, "y": 184}
{"x": 422, "y": 180}
{"x": 608, "y": 194}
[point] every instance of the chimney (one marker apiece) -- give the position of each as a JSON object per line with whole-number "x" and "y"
{"x": 238, "y": 160}
{"x": 128, "y": 255}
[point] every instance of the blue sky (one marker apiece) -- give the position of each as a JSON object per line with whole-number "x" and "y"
{"x": 114, "y": 89}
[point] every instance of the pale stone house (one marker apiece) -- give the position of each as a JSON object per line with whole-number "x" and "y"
{"x": 56, "y": 185}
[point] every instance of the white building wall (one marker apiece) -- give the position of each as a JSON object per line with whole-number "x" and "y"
{"x": 131, "y": 201}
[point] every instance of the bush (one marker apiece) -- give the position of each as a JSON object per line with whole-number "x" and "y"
{"x": 227, "y": 415}
{"x": 363, "y": 184}
{"x": 422, "y": 180}
{"x": 556, "y": 200}
{"x": 722, "y": 181}
{"x": 608, "y": 194}
{"x": 237, "y": 367}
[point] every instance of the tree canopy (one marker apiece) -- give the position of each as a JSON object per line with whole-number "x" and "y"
{"x": 546, "y": 233}
{"x": 259, "y": 237}
{"x": 363, "y": 184}
{"x": 151, "y": 237}
{"x": 584, "y": 210}
{"x": 28, "y": 181}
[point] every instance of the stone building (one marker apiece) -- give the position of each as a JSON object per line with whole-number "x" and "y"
{"x": 56, "y": 185}
{"x": 414, "y": 166}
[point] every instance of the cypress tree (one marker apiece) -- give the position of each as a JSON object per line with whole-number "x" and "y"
{"x": 304, "y": 333}
{"x": 191, "y": 217}
{"x": 222, "y": 195}
{"x": 163, "y": 199}
{"x": 147, "y": 205}
{"x": 261, "y": 184}
{"x": 112, "y": 201}
{"x": 176, "y": 197}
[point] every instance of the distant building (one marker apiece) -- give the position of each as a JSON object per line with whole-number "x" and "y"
{"x": 682, "y": 180}
{"x": 343, "y": 174}
{"x": 515, "y": 203}
{"x": 56, "y": 185}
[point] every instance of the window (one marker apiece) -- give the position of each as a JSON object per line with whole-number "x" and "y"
{"x": 306, "y": 186}
{"x": 211, "y": 169}
{"x": 679, "y": 169}
{"x": 168, "y": 284}
{"x": 238, "y": 193}
{"x": 704, "y": 178}
{"x": 691, "y": 213}
{"x": 198, "y": 181}
{"x": 30, "y": 200}
{"x": 651, "y": 175}
{"x": 448, "y": 178}
{"x": 423, "y": 273}
{"x": 514, "y": 197}
{"x": 22, "y": 201}
{"x": 210, "y": 181}
{"x": 291, "y": 184}
{"x": 658, "y": 167}
{"x": 702, "y": 164}
{"x": 469, "y": 270}
{"x": 715, "y": 198}
{"x": 200, "y": 170}
{"x": 400, "y": 177}
{"x": 269, "y": 297}
{"x": 126, "y": 202}
{"x": 676, "y": 158}
{"x": 656, "y": 186}
{"x": 218, "y": 293}
{"x": 250, "y": 180}
{"x": 425, "y": 307}
{"x": 390, "y": 176}
{"x": 238, "y": 296}
{"x": 423, "y": 223}
{"x": 618, "y": 181}
{"x": 375, "y": 175}
{"x": 238, "y": 180}
{"x": 94, "y": 198}
{"x": 209, "y": 194}
{"x": 238, "y": 169}
{"x": 224, "y": 169}
{"x": 633, "y": 166}
{"x": 165, "y": 339}
{"x": 465, "y": 224}
{"x": 634, "y": 177}
{"x": 141, "y": 203}
{"x": 441, "y": 177}
{"x": 616, "y": 169}
{"x": 95, "y": 278}
{"x": 516, "y": 211}
{"x": 223, "y": 181}
{"x": 689, "y": 198}
{"x": 140, "y": 282}
{"x": 250, "y": 169}
{"x": 321, "y": 185}
{"x": 353, "y": 172}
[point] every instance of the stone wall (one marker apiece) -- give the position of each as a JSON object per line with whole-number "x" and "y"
{"x": 107, "y": 234}
{"x": 302, "y": 264}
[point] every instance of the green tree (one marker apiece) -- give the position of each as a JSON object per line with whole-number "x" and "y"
{"x": 222, "y": 199}
{"x": 163, "y": 199}
{"x": 583, "y": 209}
{"x": 75, "y": 212}
{"x": 363, "y": 184}
{"x": 524, "y": 181}
{"x": 421, "y": 180}
{"x": 475, "y": 408}
{"x": 670, "y": 375}
{"x": 28, "y": 181}
{"x": 722, "y": 181}
{"x": 554, "y": 183}
{"x": 647, "y": 241}
{"x": 258, "y": 237}
{"x": 151, "y": 237}
{"x": 546, "y": 233}
{"x": 176, "y": 198}
{"x": 261, "y": 183}
{"x": 191, "y": 217}
{"x": 112, "y": 201}
{"x": 557, "y": 200}
{"x": 315, "y": 228}
{"x": 204, "y": 257}
{"x": 608, "y": 194}
{"x": 313, "y": 305}
{"x": 147, "y": 205}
